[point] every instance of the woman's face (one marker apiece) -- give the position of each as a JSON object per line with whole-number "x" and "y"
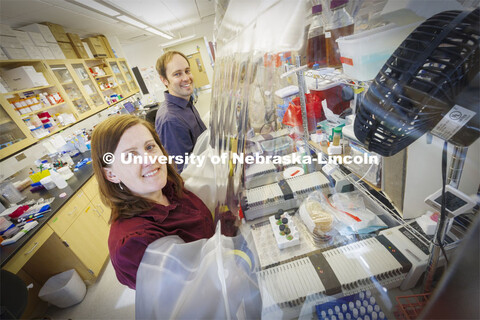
{"x": 145, "y": 178}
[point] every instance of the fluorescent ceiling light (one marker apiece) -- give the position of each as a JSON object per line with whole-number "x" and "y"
{"x": 97, "y": 6}
{"x": 171, "y": 43}
{"x": 132, "y": 22}
{"x": 160, "y": 33}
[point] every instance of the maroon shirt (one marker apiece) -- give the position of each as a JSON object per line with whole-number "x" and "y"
{"x": 187, "y": 217}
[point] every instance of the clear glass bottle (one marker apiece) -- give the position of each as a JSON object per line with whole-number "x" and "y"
{"x": 339, "y": 24}
{"x": 316, "y": 50}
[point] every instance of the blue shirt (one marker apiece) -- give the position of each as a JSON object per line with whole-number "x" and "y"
{"x": 178, "y": 125}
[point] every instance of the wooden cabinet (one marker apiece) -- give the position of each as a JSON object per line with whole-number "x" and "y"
{"x": 82, "y": 227}
{"x": 104, "y": 211}
{"x": 87, "y": 237}
{"x": 28, "y": 250}
{"x": 90, "y": 188}
{"x": 80, "y": 93}
{"x": 64, "y": 218}
{"x": 78, "y": 85}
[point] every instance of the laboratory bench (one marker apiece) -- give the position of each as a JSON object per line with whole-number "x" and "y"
{"x": 72, "y": 235}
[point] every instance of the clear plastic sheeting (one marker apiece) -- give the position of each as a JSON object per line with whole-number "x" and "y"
{"x": 268, "y": 25}
{"x": 204, "y": 279}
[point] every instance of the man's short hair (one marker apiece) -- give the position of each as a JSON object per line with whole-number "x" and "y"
{"x": 164, "y": 60}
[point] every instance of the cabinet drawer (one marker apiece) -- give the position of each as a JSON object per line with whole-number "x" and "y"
{"x": 28, "y": 250}
{"x": 91, "y": 188}
{"x": 64, "y": 218}
{"x": 101, "y": 208}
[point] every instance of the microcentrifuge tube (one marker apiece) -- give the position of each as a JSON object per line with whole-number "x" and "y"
{"x": 376, "y": 308}
{"x": 372, "y": 300}
{"x": 381, "y": 315}
{"x": 374, "y": 315}
{"x": 355, "y": 313}
{"x": 351, "y": 305}
{"x": 358, "y": 304}
{"x": 361, "y": 295}
{"x": 330, "y": 312}
{"x": 337, "y": 309}
{"x": 368, "y": 293}
{"x": 333, "y": 317}
{"x": 323, "y": 314}
{"x": 369, "y": 309}
{"x": 363, "y": 310}
{"x": 365, "y": 303}
{"x": 344, "y": 307}
{"x": 340, "y": 316}
{"x": 348, "y": 316}
{"x": 367, "y": 317}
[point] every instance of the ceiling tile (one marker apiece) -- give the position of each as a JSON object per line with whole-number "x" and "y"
{"x": 17, "y": 8}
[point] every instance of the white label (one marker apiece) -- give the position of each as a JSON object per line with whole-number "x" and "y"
{"x": 453, "y": 121}
{"x": 328, "y": 34}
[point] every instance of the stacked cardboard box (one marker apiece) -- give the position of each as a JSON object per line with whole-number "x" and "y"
{"x": 96, "y": 47}
{"x": 44, "y": 40}
{"x": 107, "y": 46}
{"x": 11, "y": 47}
{"x": 77, "y": 45}
{"x": 62, "y": 40}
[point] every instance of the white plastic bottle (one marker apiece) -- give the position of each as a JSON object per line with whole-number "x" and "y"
{"x": 58, "y": 179}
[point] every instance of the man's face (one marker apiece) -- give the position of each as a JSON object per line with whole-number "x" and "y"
{"x": 179, "y": 78}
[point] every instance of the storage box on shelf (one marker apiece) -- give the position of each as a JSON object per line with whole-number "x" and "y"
{"x": 96, "y": 46}
{"x": 31, "y": 103}
{"x": 48, "y": 96}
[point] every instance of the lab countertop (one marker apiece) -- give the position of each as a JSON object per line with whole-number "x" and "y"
{"x": 79, "y": 178}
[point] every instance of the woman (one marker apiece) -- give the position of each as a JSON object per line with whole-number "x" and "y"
{"x": 148, "y": 200}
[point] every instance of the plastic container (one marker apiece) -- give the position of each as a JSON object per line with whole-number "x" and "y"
{"x": 65, "y": 172}
{"x": 339, "y": 24}
{"x": 58, "y": 179}
{"x": 316, "y": 50}
{"x": 10, "y": 193}
{"x": 64, "y": 289}
{"x": 48, "y": 183}
{"x": 364, "y": 54}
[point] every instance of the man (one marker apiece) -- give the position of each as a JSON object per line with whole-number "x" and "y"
{"x": 177, "y": 122}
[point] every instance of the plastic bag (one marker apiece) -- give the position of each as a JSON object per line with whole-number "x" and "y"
{"x": 350, "y": 209}
{"x": 293, "y": 115}
{"x": 203, "y": 279}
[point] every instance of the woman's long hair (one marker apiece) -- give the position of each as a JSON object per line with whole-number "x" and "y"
{"x": 105, "y": 138}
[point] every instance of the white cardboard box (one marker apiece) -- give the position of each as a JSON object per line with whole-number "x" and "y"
{"x": 33, "y": 52}
{"x": 24, "y": 38}
{"x": 23, "y": 78}
{"x": 16, "y": 54}
{"x": 42, "y": 29}
{"x": 46, "y": 52}
{"x": 56, "y": 51}
{"x": 10, "y": 42}
{"x": 37, "y": 39}
{"x": 6, "y": 30}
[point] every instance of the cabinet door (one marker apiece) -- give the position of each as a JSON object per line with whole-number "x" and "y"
{"x": 64, "y": 75}
{"x": 119, "y": 77}
{"x": 13, "y": 135}
{"x": 132, "y": 85}
{"x": 64, "y": 218}
{"x": 87, "y": 238}
{"x": 88, "y": 85}
{"x": 91, "y": 188}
